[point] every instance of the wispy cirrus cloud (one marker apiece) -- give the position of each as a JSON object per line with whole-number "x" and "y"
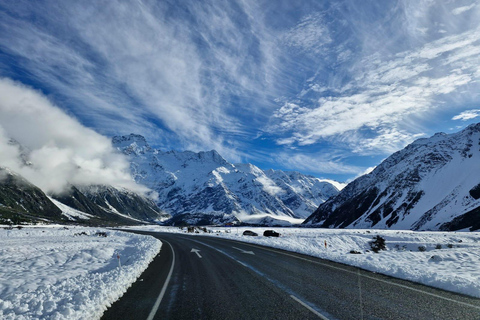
{"x": 362, "y": 77}
{"x": 310, "y": 35}
{"x": 317, "y": 163}
{"x": 463, "y": 9}
{"x": 467, "y": 115}
{"x": 155, "y": 68}
{"x": 382, "y": 94}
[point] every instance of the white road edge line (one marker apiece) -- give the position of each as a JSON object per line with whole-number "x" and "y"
{"x": 366, "y": 276}
{"x": 318, "y": 314}
{"x": 165, "y": 285}
{"x": 243, "y": 251}
{"x": 249, "y": 267}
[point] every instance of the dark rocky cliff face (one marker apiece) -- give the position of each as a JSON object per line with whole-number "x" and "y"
{"x": 22, "y": 201}
{"x": 111, "y": 204}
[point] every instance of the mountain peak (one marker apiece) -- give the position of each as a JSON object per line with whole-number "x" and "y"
{"x": 422, "y": 187}
{"x": 204, "y": 183}
{"x": 131, "y": 143}
{"x": 132, "y": 137}
{"x": 212, "y": 154}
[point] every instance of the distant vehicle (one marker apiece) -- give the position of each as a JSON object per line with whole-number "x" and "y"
{"x": 271, "y": 233}
{"x": 249, "y": 233}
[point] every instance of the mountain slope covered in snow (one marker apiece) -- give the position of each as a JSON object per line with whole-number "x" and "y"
{"x": 207, "y": 187}
{"x": 432, "y": 184}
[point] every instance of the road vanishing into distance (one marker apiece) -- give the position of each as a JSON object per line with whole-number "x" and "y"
{"x": 200, "y": 277}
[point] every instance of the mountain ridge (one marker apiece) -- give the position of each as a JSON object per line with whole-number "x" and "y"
{"x": 424, "y": 186}
{"x": 205, "y": 183}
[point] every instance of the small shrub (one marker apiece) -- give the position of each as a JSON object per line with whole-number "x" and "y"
{"x": 377, "y": 244}
{"x": 355, "y": 252}
{"x": 438, "y": 246}
{"x": 450, "y": 246}
{"x": 422, "y": 248}
{"x": 101, "y": 234}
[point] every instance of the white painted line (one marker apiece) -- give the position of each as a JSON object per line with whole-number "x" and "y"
{"x": 165, "y": 285}
{"x": 315, "y": 312}
{"x": 369, "y": 277}
{"x": 321, "y": 316}
{"x": 197, "y": 252}
{"x": 243, "y": 251}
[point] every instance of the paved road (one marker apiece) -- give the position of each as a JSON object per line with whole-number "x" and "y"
{"x": 210, "y": 278}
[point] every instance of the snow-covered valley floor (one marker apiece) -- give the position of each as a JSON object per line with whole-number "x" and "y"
{"x": 446, "y": 260}
{"x": 54, "y": 272}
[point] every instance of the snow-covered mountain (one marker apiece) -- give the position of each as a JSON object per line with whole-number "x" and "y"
{"x": 89, "y": 204}
{"x": 205, "y": 185}
{"x": 432, "y": 184}
{"x": 110, "y": 204}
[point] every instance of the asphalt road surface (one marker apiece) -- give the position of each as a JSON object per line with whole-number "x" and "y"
{"x": 197, "y": 277}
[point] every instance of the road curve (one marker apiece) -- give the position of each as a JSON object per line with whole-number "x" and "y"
{"x": 213, "y": 278}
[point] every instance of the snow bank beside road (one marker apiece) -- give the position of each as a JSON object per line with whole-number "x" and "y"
{"x": 446, "y": 260}
{"x": 454, "y": 266}
{"x": 58, "y": 273}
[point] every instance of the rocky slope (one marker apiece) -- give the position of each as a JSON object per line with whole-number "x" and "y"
{"x": 204, "y": 186}
{"x": 21, "y": 201}
{"x": 110, "y": 204}
{"x": 432, "y": 184}
{"x": 93, "y": 204}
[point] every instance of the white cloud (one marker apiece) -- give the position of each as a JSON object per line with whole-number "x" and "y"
{"x": 383, "y": 93}
{"x": 319, "y": 163}
{"x": 463, "y": 9}
{"x": 309, "y": 35}
{"x": 269, "y": 186}
{"x": 386, "y": 140}
{"x": 467, "y": 115}
{"x": 61, "y": 150}
{"x": 130, "y": 65}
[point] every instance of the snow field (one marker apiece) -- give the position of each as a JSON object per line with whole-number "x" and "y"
{"x": 451, "y": 260}
{"x": 59, "y": 273}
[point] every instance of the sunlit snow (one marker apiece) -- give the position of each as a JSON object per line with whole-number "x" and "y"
{"x": 68, "y": 273}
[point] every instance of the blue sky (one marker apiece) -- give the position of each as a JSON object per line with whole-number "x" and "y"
{"x": 328, "y": 88}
